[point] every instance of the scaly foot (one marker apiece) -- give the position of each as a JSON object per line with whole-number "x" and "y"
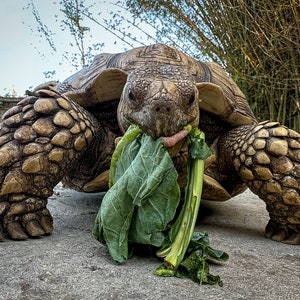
{"x": 27, "y": 217}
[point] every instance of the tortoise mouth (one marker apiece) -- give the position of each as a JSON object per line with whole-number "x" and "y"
{"x": 171, "y": 141}
{"x": 174, "y": 143}
{"x": 168, "y": 127}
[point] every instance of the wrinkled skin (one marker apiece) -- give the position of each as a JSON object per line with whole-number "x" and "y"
{"x": 67, "y": 133}
{"x": 170, "y": 95}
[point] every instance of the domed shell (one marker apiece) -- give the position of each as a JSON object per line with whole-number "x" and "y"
{"x": 105, "y": 78}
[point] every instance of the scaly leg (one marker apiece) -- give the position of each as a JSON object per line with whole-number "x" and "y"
{"x": 40, "y": 138}
{"x": 267, "y": 157}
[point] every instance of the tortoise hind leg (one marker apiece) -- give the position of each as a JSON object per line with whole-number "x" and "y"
{"x": 267, "y": 157}
{"x": 40, "y": 138}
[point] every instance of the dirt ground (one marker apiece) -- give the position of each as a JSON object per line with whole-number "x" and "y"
{"x": 71, "y": 264}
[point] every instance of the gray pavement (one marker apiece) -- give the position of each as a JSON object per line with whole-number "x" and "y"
{"x": 71, "y": 264}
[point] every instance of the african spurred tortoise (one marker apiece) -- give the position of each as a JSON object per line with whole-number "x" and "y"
{"x": 67, "y": 132}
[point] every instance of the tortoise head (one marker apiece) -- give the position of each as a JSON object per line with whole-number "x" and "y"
{"x": 160, "y": 99}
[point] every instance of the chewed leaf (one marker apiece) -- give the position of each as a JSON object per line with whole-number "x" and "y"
{"x": 198, "y": 149}
{"x": 200, "y": 241}
{"x": 196, "y": 267}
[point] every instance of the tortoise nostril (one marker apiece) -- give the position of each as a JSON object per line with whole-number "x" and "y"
{"x": 162, "y": 108}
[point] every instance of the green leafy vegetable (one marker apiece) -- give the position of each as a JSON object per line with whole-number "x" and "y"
{"x": 195, "y": 264}
{"x": 143, "y": 198}
{"x": 142, "y": 202}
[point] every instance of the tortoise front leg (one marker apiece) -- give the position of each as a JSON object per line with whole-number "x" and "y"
{"x": 267, "y": 157}
{"x": 40, "y": 138}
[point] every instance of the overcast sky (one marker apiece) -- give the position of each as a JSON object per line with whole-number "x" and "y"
{"x": 22, "y": 67}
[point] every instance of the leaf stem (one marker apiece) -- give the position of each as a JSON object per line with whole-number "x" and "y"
{"x": 182, "y": 230}
{"x": 132, "y": 132}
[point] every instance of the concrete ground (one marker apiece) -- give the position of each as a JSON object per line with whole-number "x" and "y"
{"x": 70, "y": 264}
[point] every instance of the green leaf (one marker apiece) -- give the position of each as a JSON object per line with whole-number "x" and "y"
{"x": 196, "y": 267}
{"x": 113, "y": 221}
{"x": 142, "y": 200}
{"x": 200, "y": 241}
{"x": 130, "y": 135}
{"x": 197, "y": 147}
{"x": 195, "y": 264}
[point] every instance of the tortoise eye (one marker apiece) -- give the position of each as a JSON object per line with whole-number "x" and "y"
{"x": 192, "y": 99}
{"x": 131, "y": 97}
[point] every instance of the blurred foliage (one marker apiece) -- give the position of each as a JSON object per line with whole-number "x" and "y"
{"x": 10, "y": 92}
{"x": 71, "y": 22}
{"x": 257, "y": 41}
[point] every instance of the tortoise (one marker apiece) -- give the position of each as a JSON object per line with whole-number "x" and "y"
{"x": 66, "y": 132}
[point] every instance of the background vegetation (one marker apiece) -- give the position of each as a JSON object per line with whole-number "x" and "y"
{"x": 257, "y": 41}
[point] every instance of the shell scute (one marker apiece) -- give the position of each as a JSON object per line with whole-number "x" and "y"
{"x": 36, "y": 163}
{"x": 45, "y": 105}
{"x": 24, "y": 134}
{"x": 62, "y": 139}
{"x": 63, "y": 118}
{"x": 9, "y": 153}
{"x": 44, "y": 127}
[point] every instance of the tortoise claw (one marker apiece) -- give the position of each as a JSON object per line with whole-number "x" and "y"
{"x": 38, "y": 223}
{"x": 47, "y": 223}
{"x": 15, "y": 231}
{"x": 294, "y": 239}
{"x": 282, "y": 234}
{"x": 34, "y": 228}
{"x": 279, "y": 236}
{"x": 25, "y": 219}
{"x": 19, "y": 230}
